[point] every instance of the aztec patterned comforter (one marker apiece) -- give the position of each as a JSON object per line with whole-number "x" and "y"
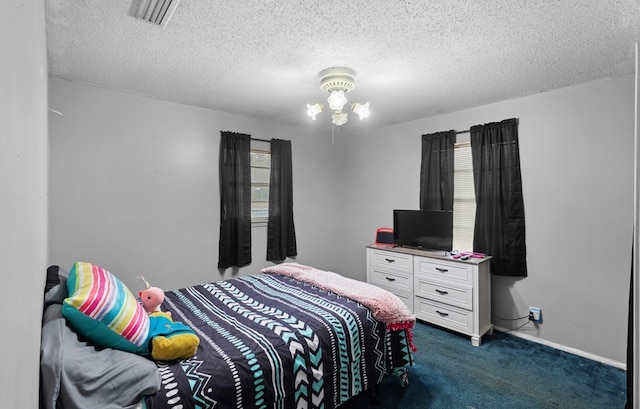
{"x": 271, "y": 341}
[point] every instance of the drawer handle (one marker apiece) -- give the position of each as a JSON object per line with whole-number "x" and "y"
{"x": 442, "y": 270}
{"x": 442, "y": 314}
{"x": 390, "y": 279}
{"x": 442, "y": 292}
{"x": 390, "y": 260}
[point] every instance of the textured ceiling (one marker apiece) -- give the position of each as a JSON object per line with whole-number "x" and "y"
{"x": 413, "y": 58}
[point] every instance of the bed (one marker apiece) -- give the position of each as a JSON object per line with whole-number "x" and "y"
{"x": 290, "y": 336}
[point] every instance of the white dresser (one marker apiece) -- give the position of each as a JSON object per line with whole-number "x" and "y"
{"x": 454, "y": 294}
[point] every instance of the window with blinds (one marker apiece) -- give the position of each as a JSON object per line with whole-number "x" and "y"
{"x": 260, "y": 173}
{"x": 464, "y": 198}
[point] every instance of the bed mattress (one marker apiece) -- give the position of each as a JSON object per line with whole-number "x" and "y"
{"x": 271, "y": 341}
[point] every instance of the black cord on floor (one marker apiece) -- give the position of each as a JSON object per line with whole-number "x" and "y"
{"x": 517, "y": 328}
{"x": 509, "y": 319}
{"x": 514, "y": 319}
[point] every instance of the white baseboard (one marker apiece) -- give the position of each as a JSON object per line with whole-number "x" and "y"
{"x": 564, "y": 348}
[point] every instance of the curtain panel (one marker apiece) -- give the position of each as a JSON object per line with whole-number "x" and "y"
{"x": 234, "y": 247}
{"x": 281, "y": 232}
{"x": 499, "y": 225}
{"x": 436, "y": 171}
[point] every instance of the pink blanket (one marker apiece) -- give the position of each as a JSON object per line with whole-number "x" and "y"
{"x": 384, "y": 306}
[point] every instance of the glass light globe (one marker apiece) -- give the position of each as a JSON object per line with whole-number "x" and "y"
{"x": 313, "y": 110}
{"x": 362, "y": 110}
{"x": 336, "y": 100}
{"x": 339, "y": 118}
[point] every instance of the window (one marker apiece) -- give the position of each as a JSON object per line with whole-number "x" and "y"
{"x": 260, "y": 173}
{"x": 464, "y": 198}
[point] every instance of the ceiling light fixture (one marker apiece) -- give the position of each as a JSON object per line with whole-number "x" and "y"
{"x": 338, "y": 81}
{"x": 157, "y": 11}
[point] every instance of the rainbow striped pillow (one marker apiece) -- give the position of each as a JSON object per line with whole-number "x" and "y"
{"x": 103, "y": 310}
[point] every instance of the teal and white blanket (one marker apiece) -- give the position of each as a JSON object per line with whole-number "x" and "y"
{"x": 271, "y": 341}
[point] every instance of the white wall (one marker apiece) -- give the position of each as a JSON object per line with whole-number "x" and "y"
{"x": 135, "y": 187}
{"x": 576, "y": 147}
{"x": 23, "y": 208}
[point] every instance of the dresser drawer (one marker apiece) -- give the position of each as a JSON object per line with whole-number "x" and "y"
{"x": 452, "y": 272}
{"x": 459, "y": 296}
{"x": 396, "y": 261}
{"x": 391, "y": 280}
{"x": 444, "y": 315}
{"x": 407, "y": 299}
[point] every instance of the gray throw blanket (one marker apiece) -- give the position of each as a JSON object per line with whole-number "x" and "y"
{"x": 75, "y": 374}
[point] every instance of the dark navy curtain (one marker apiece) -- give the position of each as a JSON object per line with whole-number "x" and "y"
{"x": 436, "y": 171}
{"x": 281, "y": 232}
{"x": 234, "y": 247}
{"x": 499, "y": 226}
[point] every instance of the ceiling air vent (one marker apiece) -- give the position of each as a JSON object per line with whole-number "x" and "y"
{"x": 157, "y": 11}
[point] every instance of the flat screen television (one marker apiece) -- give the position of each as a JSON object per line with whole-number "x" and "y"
{"x": 423, "y": 229}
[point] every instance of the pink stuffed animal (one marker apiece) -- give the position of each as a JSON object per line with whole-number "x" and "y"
{"x": 151, "y": 298}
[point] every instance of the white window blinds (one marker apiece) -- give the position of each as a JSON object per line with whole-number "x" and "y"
{"x": 260, "y": 173}
{"x": 464, "y": 199}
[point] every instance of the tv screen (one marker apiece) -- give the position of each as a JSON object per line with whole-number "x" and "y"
{"x": 423, "y": 229}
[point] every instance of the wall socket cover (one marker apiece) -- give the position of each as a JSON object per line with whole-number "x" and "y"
{"x": 537, "y": 314}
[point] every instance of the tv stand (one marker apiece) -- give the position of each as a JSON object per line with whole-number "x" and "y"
{"x": 451, "y": 293}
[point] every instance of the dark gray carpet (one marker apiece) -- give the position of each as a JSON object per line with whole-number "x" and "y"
{"x": 504, "y": 372}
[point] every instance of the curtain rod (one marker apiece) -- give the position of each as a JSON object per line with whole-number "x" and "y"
{"x": 459, "y": 132}
{"x": 261, "y": 140}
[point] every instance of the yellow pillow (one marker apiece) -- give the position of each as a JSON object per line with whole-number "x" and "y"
{"x": 171, "y": 340}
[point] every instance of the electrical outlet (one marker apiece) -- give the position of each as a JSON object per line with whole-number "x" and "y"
{"x": 535, "y": 314}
